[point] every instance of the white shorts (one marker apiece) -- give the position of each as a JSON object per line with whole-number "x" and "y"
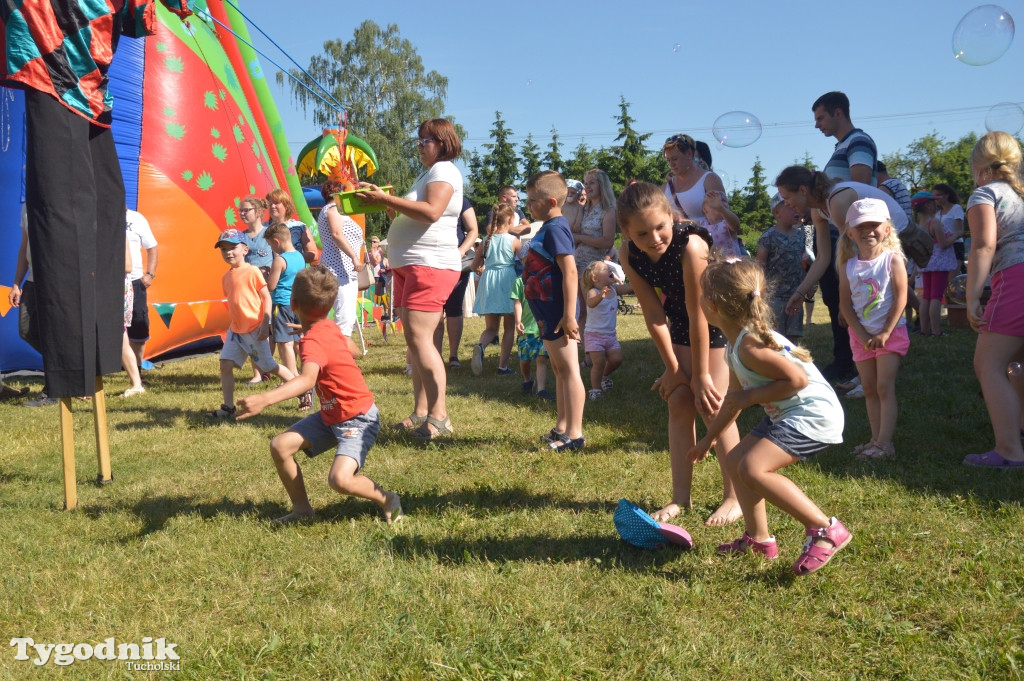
{"x": 345, "y": 307}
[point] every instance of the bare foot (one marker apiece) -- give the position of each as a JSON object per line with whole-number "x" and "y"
{"x": 669, "y": 512}
{"x": 294, "y": 517}
{"x": 392, "y": 508}
{"x": 728, "y": 512}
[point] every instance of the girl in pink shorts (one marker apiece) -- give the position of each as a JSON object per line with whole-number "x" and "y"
{"x": 600, "y": 341}
{"x": 872, "y": 297}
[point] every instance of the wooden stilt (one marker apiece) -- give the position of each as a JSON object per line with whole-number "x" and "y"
{"x": 99, "y": 411}
{"x": 67, "y": 439}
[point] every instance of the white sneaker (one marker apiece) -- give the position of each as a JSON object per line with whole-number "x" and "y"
{"x": 477, "y": 363}
{"x": 595, "y": 394}
{"x": 607, "y": 383}
{"x": 856, "y": 392}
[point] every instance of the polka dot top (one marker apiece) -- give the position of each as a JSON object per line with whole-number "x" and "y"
{"x": 667, "y": 275}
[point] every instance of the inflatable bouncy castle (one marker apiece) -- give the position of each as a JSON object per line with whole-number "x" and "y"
{"x": 196, "y": 130}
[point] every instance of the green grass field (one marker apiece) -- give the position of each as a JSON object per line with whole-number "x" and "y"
{"x": 507, "y": 564}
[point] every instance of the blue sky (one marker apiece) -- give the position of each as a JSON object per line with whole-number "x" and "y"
{"x": 680, "y": 65}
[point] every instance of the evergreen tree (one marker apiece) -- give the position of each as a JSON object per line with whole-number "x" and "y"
{"x": 583, "y": 159}
{"x": 631, "y": 160}
{"x": 553, "y": 156}
{"x": 531, "y": 157}
{"x": 495, "y": 169}
{"x": 754, "y": 205}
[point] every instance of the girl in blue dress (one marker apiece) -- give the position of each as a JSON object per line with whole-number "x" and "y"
{"x": 493, "y": 293}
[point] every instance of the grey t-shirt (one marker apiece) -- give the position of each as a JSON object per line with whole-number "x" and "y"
{"x": 1009, "y": 209}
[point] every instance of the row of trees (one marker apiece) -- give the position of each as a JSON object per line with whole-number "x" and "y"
{"x": 382, "y": 83}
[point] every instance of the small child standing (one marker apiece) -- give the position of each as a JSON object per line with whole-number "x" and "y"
{"x": 802, "y": 416}
{"x": 529, "y": 344}
{"x": 551, "y": 281}
{"x": 780, "y": 251}
{"x": 872, "y": 296}
{"x": 348, "y": 420}
{"x": 722, "y": 224}
{"x": 601, "y": 344}
{"x": 249, "y": 308}
{"x": 497, "y": 257}
{"x": 287, "y": 263}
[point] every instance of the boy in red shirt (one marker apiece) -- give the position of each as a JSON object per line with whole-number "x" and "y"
{"x": 249, "y": 307}
{"x": 348, "y": 419}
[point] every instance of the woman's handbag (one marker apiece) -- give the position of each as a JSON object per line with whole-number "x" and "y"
{"x": 365, "y": 275}
{"x": 917, "y": 243}
{"x": 467, "y": 259}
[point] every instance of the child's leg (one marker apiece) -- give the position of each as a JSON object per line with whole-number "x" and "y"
{"x": 756, "y": 471}
{"x": 614, "y": 357}
{"x": 524, "y": 369}
{"x": 885, "y": 385}
{"x": 682, "y": 417}
{"x": 542, "y": 372}
{"x": 490, "y": 332}
{"x": 991, "y": 355}
{"x": 868, "y": 372}
{"x": 508, "y": 337}
{"x": 128, "y": 362}
{"x": 750, "y": 501}
{"x": 227, "y": 381}
{"x": 286, "y": 351}
{"x": 571, "y": 395}
{"x": 935, "y": 316}
{"x": 729, "y": 510}
{"x": 283, "y": 449}
{"x": 283, "y": 372}
{"x": 598, "y": 361}
{"x": 344, "y": 479}
{"x": 925, "y": 313}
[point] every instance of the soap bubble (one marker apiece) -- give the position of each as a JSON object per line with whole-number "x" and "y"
{"x": 529, "y": 83}
{"x": 956, "y": 290}
{"x": 1008, "y": 117}
{"x": 1013, "y": 369}
{"x": 737, "y": 129}
{"x": 983, "y": 35}
{"x": 677, "y": 47}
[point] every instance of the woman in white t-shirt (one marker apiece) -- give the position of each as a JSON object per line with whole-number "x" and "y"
{"x": 952, "y": 216}
{"x": 423, "y": 249}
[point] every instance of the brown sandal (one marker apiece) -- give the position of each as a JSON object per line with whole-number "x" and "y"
{"x": 442, "y": 428}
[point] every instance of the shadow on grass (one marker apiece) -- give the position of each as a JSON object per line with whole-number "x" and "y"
{"x": 156, "y": 511}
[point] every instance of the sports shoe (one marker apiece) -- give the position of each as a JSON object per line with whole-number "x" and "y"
{"x": 41, "y": 401}
{"x": 527, "y": 386}
{"x": 816, "y": 557}
{"x": 847, "y": 386}
{"x": 553, "y": 436}
{"x": 477, "y": 363}
{"x": 505, "y": 371}
{"x": 856, "y": 392}
{"x": 768, "y": 548}
{"x": 545, "y": 395}
{"x": 595, "y": 394}
{"x": 607, "y": 383}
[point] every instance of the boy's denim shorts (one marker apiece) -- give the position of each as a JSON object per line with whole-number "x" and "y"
{"x": 240, "y": 346}
{"x": 352, "y": 438}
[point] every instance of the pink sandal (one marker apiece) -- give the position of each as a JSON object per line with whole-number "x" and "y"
{"x": 816, "y": 557}
{"x": 769, "y": 549}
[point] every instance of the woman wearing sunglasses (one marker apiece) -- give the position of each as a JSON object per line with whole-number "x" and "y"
{"x": 423, "y": 249}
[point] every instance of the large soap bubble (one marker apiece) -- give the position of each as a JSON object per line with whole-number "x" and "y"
{"x": 956, "y": 290}
{"x": 737, "y": 129}
{"x": 983, "y": 35}
{"x": 1007, "y": 116}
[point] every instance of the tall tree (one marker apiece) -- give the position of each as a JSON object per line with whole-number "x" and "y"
{"x": 583, "y": 159}
{"x": 755, "y": 205}
{"x": 496, "y": 168}
{"x": 553, "y": 156}
{"x": 630, "y": 159}
{"x": 380, "y": 79}
{"x": 531, "y": 157}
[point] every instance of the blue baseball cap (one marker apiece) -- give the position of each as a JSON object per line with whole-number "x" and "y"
{"x": 232, "y": 236}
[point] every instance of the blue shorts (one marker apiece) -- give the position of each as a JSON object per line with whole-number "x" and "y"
{"x": 284, "y": 315}
{"x": 788, "y": 439}
{"x": 530, "y": 347}
{"x": 352, "y": 438}
{"x": 548, "y": 316}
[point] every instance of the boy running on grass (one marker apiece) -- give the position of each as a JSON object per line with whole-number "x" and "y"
{"x": 348, "y": 419}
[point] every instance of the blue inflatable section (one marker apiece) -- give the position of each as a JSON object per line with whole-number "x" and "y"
{"x": 16, "y": 353}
